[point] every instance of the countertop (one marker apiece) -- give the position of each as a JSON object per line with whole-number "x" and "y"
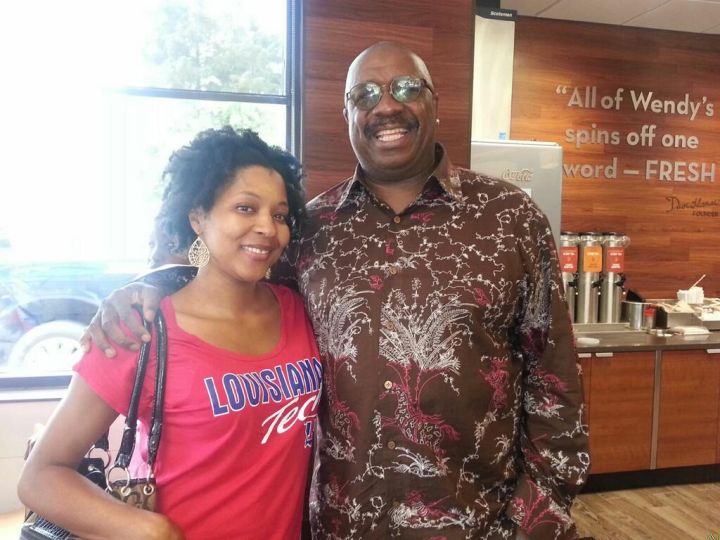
{"x": 622, "y": 339}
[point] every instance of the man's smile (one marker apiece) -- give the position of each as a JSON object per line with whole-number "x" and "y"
{"x": 389, "y": 135}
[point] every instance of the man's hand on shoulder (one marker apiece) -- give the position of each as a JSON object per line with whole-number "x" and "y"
{"x": 105, "y": 325}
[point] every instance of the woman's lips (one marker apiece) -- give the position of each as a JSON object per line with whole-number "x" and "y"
{"x": 260, "y": 253}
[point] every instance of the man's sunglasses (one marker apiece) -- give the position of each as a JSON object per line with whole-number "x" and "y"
{"x": 403, "y": 89}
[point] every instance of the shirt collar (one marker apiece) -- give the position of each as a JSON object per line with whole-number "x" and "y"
{"x": 445, "y": 174}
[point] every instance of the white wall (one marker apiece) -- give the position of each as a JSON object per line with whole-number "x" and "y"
{"x": 492, "y": 78}
{"x": 19, "y": 412}
{"x": 17, "y": 418}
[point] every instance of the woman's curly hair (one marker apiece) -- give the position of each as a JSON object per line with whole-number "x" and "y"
{"x": 197, "y": 172}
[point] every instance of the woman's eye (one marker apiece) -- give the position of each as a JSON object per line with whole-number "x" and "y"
{"x": 281, "y": 217}
{"x": 243, "y": 208}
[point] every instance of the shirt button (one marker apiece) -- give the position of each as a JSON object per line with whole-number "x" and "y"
{"x": 396, "y": 504}
{"x": 397, "y": 219}
{"x": 388, "y": 385}
{"x": 393, "y": 270}
{"x": 388, "y": 324}
{"x": 391, "y": 445}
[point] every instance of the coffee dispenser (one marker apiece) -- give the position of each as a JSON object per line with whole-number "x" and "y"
{"x": 612, "y": 289}
{"x": 568, "y": 254}
{"x": 589, "y": 277}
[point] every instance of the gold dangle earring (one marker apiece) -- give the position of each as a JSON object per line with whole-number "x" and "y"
{"x": 198, "y": 254}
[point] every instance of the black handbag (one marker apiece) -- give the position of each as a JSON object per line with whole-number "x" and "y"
{"x": 139, "y": 492}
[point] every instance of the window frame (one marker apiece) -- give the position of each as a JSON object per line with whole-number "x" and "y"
{"x": 292, "y": 100}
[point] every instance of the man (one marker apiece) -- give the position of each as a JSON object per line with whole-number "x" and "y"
{"x": 453, "y": 398}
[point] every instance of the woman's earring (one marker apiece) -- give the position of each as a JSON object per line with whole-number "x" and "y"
{"x": 198, "y": 254}
{"x": 437, "y": 122}
{"x": 268, "y": 274}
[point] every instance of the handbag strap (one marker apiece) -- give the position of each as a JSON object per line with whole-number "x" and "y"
{"x": 127, "y": 444}
{"x": 161, "y": 374}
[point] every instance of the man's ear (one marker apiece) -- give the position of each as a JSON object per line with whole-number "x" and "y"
{"x": 345, "y": 115}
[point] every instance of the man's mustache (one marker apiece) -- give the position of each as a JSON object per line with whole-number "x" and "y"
{"x": 398, "y": 120}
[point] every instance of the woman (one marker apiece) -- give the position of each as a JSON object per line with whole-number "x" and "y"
{"x": 243, "y": 376}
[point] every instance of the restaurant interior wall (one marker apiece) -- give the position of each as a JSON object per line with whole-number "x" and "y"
{"x": 645, "y": 165}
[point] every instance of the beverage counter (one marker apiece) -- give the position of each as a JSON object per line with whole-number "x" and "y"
{"x": 653, "y": 404}
{"x": 638, "y": 340}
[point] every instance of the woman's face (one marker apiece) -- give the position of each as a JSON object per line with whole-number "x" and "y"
{"x": 246, "y": 230}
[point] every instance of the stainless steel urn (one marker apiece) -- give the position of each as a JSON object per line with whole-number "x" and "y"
{"x": 568, "y": 255}
{"x": 589, "y": 277}
{"x": 612, "y": 290}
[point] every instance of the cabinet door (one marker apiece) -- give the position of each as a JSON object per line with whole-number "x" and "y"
{"x": 689, "y": 401}
{"x": 621, "y": 398}
{"x": 586, "y": 364}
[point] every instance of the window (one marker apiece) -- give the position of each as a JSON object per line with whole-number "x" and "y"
{"x": 100, "y": 96}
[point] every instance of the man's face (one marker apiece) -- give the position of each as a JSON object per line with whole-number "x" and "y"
{"x": 393, "y": 141}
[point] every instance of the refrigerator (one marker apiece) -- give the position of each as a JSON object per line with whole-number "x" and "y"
{"x": 533, "y": 166}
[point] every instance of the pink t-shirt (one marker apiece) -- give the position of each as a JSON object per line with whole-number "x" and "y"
{"x": 238, "y": 430}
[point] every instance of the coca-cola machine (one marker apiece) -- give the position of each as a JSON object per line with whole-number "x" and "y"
{"x": 535, "y": 167}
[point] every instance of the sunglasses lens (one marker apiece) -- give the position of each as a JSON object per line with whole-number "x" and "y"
{"x": 406, "y": 89}
{"x": 365, "y": 96}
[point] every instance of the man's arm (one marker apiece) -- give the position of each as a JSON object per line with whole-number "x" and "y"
{"x": 553, "y": 432}
{"x": 147, "y": 291}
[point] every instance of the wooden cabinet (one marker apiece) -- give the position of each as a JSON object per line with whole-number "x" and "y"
{"x": 586, "y": 364}
{"x": 653, "y": 409}
{"x": 620, "y": 393}
{"x": 688, "y": 420}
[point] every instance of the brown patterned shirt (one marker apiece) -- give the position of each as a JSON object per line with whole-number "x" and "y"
{"x": 453, "y": 400}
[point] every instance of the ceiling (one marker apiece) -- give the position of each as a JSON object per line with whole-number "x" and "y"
{"x": 700, "y": 16}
